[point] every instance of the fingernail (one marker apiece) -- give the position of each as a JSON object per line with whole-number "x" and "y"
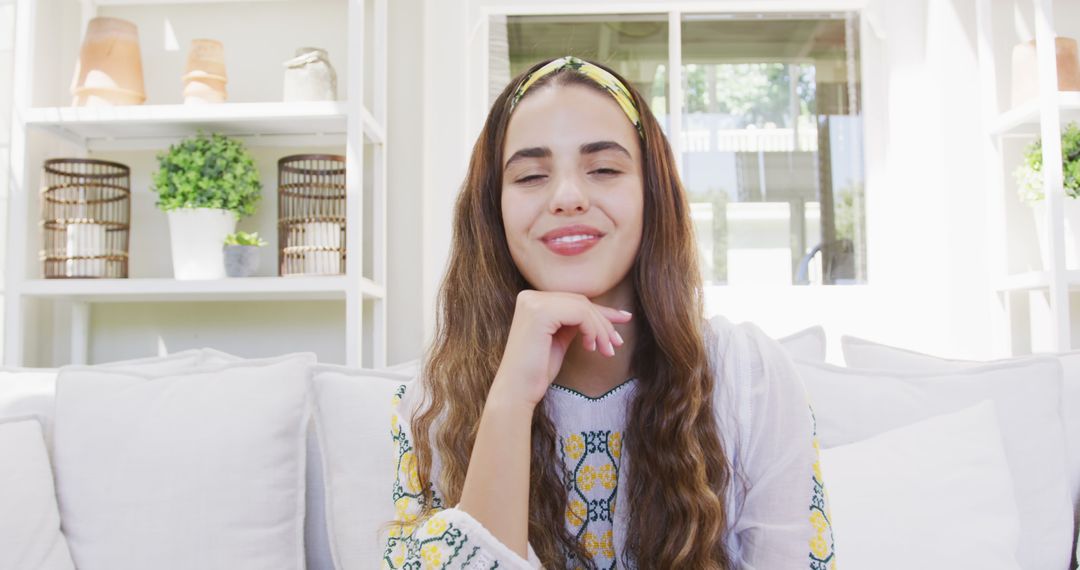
{"x": 627, "y": 313}
{"x": 619, "y": 338}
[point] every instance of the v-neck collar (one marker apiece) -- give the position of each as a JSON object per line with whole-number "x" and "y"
{"x": 604, "y": 396}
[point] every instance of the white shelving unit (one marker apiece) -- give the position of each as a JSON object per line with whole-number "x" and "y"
{"x": 43, "y": 127}
{"x": 1043, "y": 117}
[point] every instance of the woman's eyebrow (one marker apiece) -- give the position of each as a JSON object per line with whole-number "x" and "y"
{"x": 545, "y": 152}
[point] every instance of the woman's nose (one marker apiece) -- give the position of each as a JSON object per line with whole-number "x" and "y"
{"x": 569, "y": 196}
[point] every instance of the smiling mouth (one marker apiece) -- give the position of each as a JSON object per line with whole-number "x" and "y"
{"x": 572, "y": 245}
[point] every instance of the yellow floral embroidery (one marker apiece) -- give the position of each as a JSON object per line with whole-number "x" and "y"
{"x": 615, "y": 444}
{"x": 574, "y": 447}
{"x": 575, "y": 512}
{"x": 602, "y": 545}
{"x": 435, "y": 526}
{"x": 412, "y": 474}
{"x": 432, "y": 554}
{"x": 606, "y": 476}
{"x": 586, "y": 478}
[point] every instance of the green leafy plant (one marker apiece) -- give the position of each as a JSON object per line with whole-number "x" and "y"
{"x": 244, "y": 238}
{"x": 203, "y": 171}
{"x": 1029, "y": 174}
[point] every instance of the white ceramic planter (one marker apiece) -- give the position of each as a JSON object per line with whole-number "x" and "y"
{"x": 197, "y": 236}
{"x": 1072, "y": 232}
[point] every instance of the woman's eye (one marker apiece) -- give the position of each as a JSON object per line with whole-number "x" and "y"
{"x": 606, "y": 171}
{"x": 530, "y": 178}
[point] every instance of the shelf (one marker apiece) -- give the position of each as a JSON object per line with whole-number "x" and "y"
{"x": 168, "y": 2}
{"x": 1035, "y": 280}
{"x": 1023, "y": 121}
{"x": 297, "y": 288}
{"x": 128, "y": 127}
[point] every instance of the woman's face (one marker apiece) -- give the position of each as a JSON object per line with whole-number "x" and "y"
{"x": 571, "y": 158}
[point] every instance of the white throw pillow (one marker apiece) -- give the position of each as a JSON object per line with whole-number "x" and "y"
{"x": 202, "y": 468}
{"x": 862, "y": 353}
{"x": 854, "y": 404}
{"x": 939, "y": 489}
{"x": 316, "y": 541}
{"x": 353, "y": 408}
{"x": 27, "y": 390}
{"x": 807, "y": 344}
{"x": 30, "y": 534}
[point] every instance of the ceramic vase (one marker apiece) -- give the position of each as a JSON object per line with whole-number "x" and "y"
{"x": 109, "y": 69}
{"x": 204, "y": 77}
{"x": 1025, "y": 69}
{"x": 1072, "y": 232}
{"x": 310, "y": 77}
{"x": 197, "y": 236}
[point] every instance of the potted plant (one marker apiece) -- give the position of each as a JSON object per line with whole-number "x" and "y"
{"x": 205, "y": 184}
{"x": 1029, "y": 178}
{"x": 242, "y": 253}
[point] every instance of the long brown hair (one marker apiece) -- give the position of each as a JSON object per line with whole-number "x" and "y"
{"x": 678, "y": 472}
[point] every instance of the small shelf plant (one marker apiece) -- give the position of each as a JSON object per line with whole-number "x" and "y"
{"x": 1030, "y": 188}
{"x": 205, "y": 184}
{"x": 242, "y": 253}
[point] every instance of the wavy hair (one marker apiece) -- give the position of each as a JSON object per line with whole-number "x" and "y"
{"x": 678, "y": 474}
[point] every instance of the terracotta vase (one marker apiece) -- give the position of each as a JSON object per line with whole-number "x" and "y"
{"x": 1025, "y": 69}
{"x": 205, "y": 77}
{"x": 310, "y": 77}
{"x": 109, "y": 70}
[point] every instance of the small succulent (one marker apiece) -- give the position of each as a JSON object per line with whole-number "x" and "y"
{"x": 244, "y": 238}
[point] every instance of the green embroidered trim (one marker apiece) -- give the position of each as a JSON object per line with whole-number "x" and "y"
{"x": 603, "y": 396}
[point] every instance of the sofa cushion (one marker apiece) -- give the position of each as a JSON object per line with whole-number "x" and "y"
{"x": 202, "y": 468}
{"x": 27, "y": 390}
{"x": 950, "y": 469}
{"x": 862, "y": 353}
{"x": 855, "y": 404}
{"x": 353, "y": 408}
{"x": 807, "y": 344}
{"x": 30, "y": 534}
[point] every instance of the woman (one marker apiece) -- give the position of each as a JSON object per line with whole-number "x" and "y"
{"x": 575, "y": 408}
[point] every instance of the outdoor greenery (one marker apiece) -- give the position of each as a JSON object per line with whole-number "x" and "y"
{"x": 1029, "y": 174}
{"x": 244, "y": 238}
{"x": 203, "y": 171}
{"x": 754, "y": 93}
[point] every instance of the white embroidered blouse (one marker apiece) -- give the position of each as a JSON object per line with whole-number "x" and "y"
{"x": 779, "y": 518}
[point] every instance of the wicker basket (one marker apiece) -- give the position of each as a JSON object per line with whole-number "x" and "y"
{"x": 85, "y": 218}
{"x": 311, "y": 214}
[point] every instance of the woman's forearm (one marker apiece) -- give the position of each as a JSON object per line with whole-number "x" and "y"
{"x": 496, "y": 489}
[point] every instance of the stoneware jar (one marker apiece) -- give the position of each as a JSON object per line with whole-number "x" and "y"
{"x": 310, "y": 77}
{"x": 205, "y": 77}
{"x": 1025, "y": 69}
{"x": 109, "y": 69}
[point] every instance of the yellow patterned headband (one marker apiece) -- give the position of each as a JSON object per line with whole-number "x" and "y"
{"x": 601, "y": 76}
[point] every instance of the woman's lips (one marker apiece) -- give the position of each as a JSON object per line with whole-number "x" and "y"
{"x": 572, "y": 247}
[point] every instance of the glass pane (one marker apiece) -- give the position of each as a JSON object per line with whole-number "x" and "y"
{"x": 635, "y": 45}
{"x": 772, "y": 147}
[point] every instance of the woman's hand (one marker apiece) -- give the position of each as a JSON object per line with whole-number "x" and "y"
{"x": 544, "y": 325}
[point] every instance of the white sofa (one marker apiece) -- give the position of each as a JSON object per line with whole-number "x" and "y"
{"x": 201, "y": 459}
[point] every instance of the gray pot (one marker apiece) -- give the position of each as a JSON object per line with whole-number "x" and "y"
{"x": 241, "y": 260}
